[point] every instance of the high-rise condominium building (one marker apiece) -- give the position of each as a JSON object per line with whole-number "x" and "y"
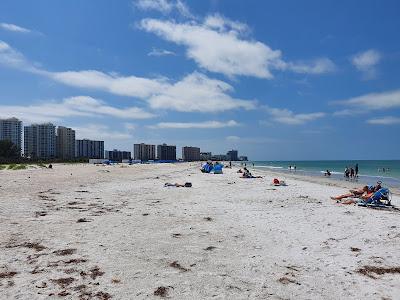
{"x": 144, "y": 152}
{"x": 89, "y": 149}
{"x": 11, "y": 129}
{"x": 205, "y": 156}
{"x": 190, "y": 153}
{"x": 65, "y": 143}
{"x": 117, "y": 155}
{"x": 232, "y": 155}
{"x": 40, "y": 141}
{"x": 166, "y": 152}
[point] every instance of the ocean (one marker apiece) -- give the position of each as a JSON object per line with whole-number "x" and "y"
{"x": 370, "y": 171}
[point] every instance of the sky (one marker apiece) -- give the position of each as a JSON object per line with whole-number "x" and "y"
{"x": 276, "y": 80}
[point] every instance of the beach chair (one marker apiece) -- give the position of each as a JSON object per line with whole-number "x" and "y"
{"x": 380, "y": 199}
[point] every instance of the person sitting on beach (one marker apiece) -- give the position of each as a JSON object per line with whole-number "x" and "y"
{"x": 247, "y": 174}
{"x": 187, "y": 184}
{"x": 239, "y": 171}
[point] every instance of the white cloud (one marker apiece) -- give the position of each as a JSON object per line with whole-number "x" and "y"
{"x": 317, "y": 66}
{"x": 288, "y": 117}
{"x": 160, "y": 52}
{"x": 80, "y": 106}
{"x": 232, "y": 138}
{"x": 366, "y": 62}
{"x": 222, "y": 46}
{"x": 119, "y": 85}
{"x": 218, "y": 48}
{"x": 373, "y": 101}
{"x": 12, "y": 58}
{"x": 100, "y": 132}
{"x": 197, "y": 92}
{"x": 14, "y": 28}
{"x": 199, "y": 125}
{"x": 388, "y": 120}
{"x": 164, "y": 6}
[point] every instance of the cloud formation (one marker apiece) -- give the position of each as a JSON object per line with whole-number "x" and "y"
{"x": 373, "y": 101}
{"x": 100, "y": 132}
{"x": 388, "y": 120}
{"x": 164, "y": 6}
{"x": 80, "y": 106}
{"x": 160, "y": 52}
{"x": 14, "y": 28}
{"x": 366, "y": 62}
{"x": 197, "y": 92}
{"x": 194, "y": 92}
{"x": 198, "y": 125}
{"x": 288, "y": 117}
{"x": 222, "y": 46}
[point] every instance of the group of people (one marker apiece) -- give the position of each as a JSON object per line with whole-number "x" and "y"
{"x": 351, "y": 173}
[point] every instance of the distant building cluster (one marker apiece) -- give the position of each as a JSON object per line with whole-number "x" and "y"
{"x": 46, "y": 141}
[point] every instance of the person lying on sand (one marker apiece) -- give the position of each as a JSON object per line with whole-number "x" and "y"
{"x": 247, "y": 174}
{"x": 187, "y": 184}
{"x": 363, "y": 193}
{"x": 277, "y": 182}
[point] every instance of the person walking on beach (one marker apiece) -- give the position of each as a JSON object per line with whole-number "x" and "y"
{"x": 352, "y": 173}
{"x": 356, "y": 170}
{"x": 346, "y": 173}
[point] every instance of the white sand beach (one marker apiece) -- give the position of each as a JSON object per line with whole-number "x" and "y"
{"x": 111, "y": 232}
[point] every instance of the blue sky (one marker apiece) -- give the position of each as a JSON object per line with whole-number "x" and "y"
{"x": 277, "y": 80}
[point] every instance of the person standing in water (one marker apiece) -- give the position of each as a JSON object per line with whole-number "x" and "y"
{"x": 356, "y": 170}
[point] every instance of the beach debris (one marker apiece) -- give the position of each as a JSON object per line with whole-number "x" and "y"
{"x": 176, "y": 265}
{"x": 64, "y": 252}
{"x": 176, "y": 235}
{"x": 75, "y": 261}
{"x": 286, "y": 280}
{"x": 7, "y": 274}
{"x": 208, "y": 219}
{"x": 95, "y": 272}
{"x": 354, "y": 249}
{"x": 35, "y": 246}
{"x": 63, "y": 282}
{"x": 103, "y": 295}
{"x": 116, "y": 280}
{"x": 162, "y": 291}
{"x": 63, "y": 293}
{"x": 145, "y": 214}
{"x": 83, "y": 220}
{"x": 42, "y": 286}
{"x": 370, "y": 270}
{"x": 40, "y": 214}
{"x": 210, "y": 248}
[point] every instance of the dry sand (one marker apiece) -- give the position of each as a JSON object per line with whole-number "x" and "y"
{"x": 101, "y": 232}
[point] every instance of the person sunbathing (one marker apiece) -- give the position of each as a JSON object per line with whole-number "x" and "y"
{"x": 187, "y": 184}
{"x": 355, "y": 193}
{"x": 247, "y": 174}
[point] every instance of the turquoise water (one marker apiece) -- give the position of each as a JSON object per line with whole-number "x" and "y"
{"x": 369, "y": 170}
